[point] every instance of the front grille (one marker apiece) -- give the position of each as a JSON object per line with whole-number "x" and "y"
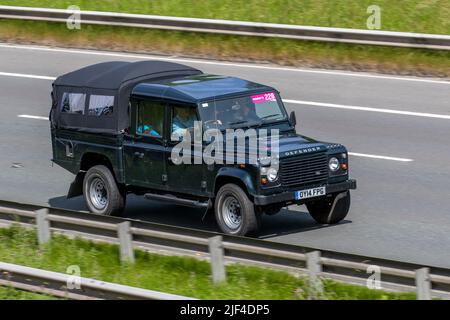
{"x": 302, "y": 170}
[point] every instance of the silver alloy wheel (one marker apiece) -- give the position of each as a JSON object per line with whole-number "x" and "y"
{"x": 98, "y": 193}
{"x": 231, "y": 212}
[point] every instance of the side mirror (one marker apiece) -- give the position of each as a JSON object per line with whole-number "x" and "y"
{"x": 293, "y": 119}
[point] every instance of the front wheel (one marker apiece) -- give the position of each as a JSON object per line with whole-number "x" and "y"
{"x": 101, "y": 192}
{"x": 330, "y": 210}
{"x": 235, "y": 212}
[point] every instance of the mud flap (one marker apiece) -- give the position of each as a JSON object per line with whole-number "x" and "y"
{"x": 76, "y": 188}
{"x": 338, "y": 197}
{"x": 209, "y": 209}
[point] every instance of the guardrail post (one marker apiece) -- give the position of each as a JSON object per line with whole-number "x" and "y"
{"x": 43, "y": 226}
{"x": 314, "y": 270}
{"x": 125, "y": 242}
{"x": 423, "y": 284}
{"x": 217, "y": 260}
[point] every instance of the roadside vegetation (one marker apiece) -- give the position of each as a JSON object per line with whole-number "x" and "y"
{"x": 177, "y": 275}
{"x": 7, "y": 293}
{"x": 225, "y": 47}
{"x": 427, "y": 16}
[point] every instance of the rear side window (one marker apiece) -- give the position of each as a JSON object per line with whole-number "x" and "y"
{"x": 73, "y": 103}
{"x": 101, "y": 105}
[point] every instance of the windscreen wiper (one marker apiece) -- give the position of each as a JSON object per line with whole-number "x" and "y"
{"x": 270, "y": 116}
{"x": 237, "y": 122}
{"x": 248, "y": 124}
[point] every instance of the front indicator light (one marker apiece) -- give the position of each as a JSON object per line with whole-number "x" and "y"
{"x": 263, "y": 181}
{"x": 344, "y": 166}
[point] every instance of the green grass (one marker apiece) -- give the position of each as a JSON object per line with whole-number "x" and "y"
{"x": 428, "y": 16}
{"x": 177, "y": 275}
{"x": 279, "y": 51}
{"x": 7, "y": 293}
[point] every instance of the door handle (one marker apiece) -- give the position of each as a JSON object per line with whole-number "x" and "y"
{"x": 138, "y": 154}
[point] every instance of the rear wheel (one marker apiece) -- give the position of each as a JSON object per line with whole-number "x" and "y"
{"x": 101, "y": 192}
{"x": 234, "y": 211}
{"x": 330, "y": 210}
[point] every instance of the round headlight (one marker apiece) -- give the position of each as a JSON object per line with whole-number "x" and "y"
{"x": 333, "y": 164}
{"x": 272, "y": 174}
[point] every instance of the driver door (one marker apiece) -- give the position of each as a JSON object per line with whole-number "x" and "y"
{"x": 183, "y": 178}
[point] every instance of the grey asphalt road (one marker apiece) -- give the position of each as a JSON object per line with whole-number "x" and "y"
{"x": 401, "y": 210}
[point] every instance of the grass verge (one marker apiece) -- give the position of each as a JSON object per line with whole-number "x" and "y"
{"x": 177, "y": 275}
{"x": 278, "y": 51}
{"x": 426, "y": 16}
{"x": 7, "y": 293}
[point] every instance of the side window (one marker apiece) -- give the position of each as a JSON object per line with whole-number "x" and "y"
{"x": 101, "y": 105}
{"x": 73, "y": 103}
{"x": 183, "y": 118}
{"x": 150, "y": 118}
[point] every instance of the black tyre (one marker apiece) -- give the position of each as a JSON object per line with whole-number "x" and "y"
{"x": 331, "y": 210}
{"x": 272, "y": 209}
{"x": 235, "y": 213}
{"x": 101, "y": 192}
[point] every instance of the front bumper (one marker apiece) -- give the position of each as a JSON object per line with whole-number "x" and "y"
{"x": 289, "y": 196}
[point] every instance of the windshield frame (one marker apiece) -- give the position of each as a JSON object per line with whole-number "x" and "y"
{"x": 245, "y": 124}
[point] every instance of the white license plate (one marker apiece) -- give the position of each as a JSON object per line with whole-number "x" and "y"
{"x": 310, "y": 193}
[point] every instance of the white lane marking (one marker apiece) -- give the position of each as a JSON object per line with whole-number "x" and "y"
{"x": 373, "y": 156}
{"x": 350, "y": 153}
{"x": 302, "y": 102}
{"x": 368, "y": 109}
{"x": 21, "y": 75}
{"x": 218, "y": 63}
{"x": 32, "y": 117}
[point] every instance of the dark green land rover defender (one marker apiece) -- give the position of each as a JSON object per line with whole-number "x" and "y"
{"x": 172, "y": 133}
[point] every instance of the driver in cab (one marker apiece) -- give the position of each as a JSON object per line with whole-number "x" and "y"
{"x": 183, "y": 119}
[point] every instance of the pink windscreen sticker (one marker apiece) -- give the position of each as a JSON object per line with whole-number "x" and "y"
{"x": 264, "y": 97}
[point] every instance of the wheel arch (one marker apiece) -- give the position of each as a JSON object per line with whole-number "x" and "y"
{"x": 237, "y": 176}
{"x": 89, "y": 160}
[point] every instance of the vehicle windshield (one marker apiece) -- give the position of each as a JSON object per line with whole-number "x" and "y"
{"x": 242, "y": 111}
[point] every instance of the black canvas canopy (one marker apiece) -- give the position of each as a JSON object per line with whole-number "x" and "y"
{"x": 95, "y": 98}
